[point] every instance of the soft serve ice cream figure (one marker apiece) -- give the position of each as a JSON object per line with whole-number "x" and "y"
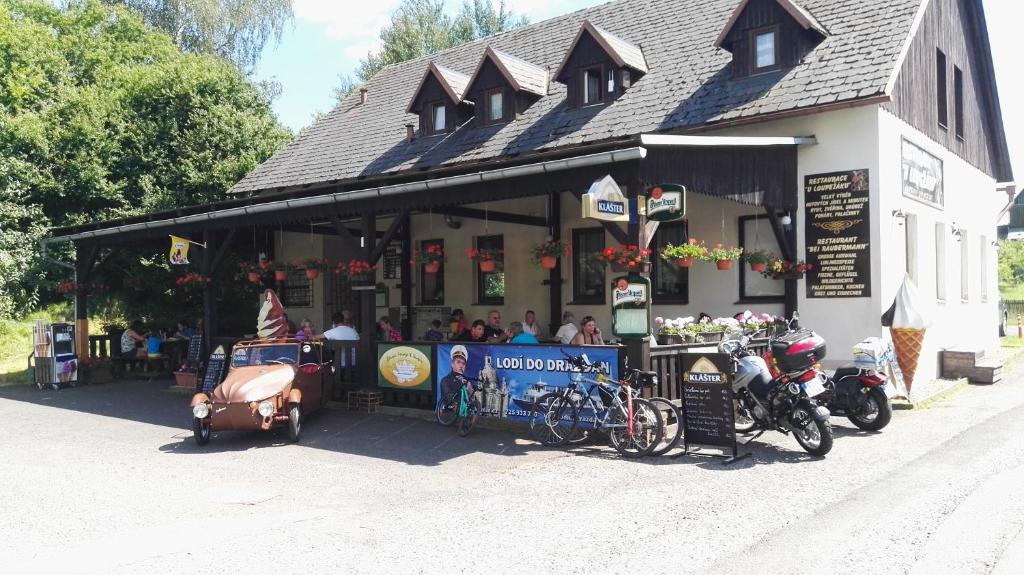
{"x": 907, "y": 327}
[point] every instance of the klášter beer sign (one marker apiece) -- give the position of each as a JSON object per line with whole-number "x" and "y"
{"x": 838, "y": 234}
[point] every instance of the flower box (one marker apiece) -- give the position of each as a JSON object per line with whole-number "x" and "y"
{"x": 711, "y": 336}
{"x": 669, "y": 339}
{"x": 185, "y": 379}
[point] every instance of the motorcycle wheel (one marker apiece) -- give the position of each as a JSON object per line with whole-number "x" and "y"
{"x": 875, "y": 413}
{"x": 742, "y": 420}
{"x": 816, "y": 438}
{"x": 647, "y": 429}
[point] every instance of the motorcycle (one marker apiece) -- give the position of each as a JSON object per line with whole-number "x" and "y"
{"x": 785, "y": 403}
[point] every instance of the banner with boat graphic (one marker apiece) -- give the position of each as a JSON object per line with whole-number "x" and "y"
{"x": 404, "y": 366}
{"x": 511, "y": 377}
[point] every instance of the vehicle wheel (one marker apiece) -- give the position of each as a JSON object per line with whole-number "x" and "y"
{"x": 875, "y": 413}
{"x": 294, "y": 422}
{"x": 742, "y": 420}
{"x": 472, "y": 412}
{"x": 816, "y": 438}
{"x": 447, "y": 409}
{"x": 201, "y": 431}
{"x": 672, "y": 426}
{"x": 553, "y": 420}
{"x": 647, "y": 428}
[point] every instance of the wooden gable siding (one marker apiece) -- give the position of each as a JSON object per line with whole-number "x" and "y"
{"x": 432, "y": 91}
{"x": 792, "y": 41}
{"x": 949, "y": 26}
{"x": 489, "y": 79}
{"x": 587, "y": 54}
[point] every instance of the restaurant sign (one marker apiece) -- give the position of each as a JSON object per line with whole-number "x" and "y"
{"x": 605, "y": 201}
{"x": 666, "y": 202}
{"x": 404, "y": 366}
{"x": 838, "y": 234}
{"x": 922, "y": 175}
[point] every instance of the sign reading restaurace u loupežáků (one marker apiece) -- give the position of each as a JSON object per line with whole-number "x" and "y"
{"x": 837, "y": 229}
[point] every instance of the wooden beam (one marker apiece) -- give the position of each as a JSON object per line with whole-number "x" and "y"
{"x": 103, "y": 261}
{"x": 346, "y": 236}
{"x": 396, "y": 223}
{"x": 788, "y": 252}
{"x": 223, "y": 250}
{"x": 503, "y": 217}
{"x": 555, "y": 275}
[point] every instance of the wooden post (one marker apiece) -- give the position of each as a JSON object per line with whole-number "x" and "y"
{"x": 209, "y": 293}
{"x": 84, "y": 256}
{"x": 368, "y": 310}
{"x": 638, "y": 351}
{"x": 555, "y": 275}
{"x": 792, "y": 285}
{"x": 405, "y": 271}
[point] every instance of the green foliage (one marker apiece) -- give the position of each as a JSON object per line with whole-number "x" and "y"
{"x": 236, "y": 30}
{"x": 421, "y": 27}
{"x": 102, "y": 117}
{"x": 1011, "y": 267}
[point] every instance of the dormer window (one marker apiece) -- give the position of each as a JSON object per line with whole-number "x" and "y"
{"x": 591, "y": 86}
{"x": 438, "y": 115}
{"x": 495, "y": 106}
{"x": 765, "y": 43}
{"x": 438, "y": 101}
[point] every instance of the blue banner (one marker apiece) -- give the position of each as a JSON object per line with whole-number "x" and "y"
{"x": 511, "y": 377}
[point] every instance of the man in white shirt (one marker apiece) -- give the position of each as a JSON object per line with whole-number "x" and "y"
{"x": 568, "y": 329}
{"x": 343, "y": 330}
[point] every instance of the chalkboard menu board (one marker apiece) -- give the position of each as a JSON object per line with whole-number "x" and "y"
{"x": 393, "y": 261}
{"x": 708, "y": 416}
{"x": 214, "y": 369}
{"x": 195, "y": 348}
{"x": 63, "y": 339}
{"x": 838, "y": 234}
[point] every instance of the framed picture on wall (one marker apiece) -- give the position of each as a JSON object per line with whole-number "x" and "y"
{"x": 382, "y": 295}
{"x": 756, "y": 234}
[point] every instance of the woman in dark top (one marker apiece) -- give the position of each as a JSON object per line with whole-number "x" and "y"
{"x": 475, "y": 333}
{"x": 589, "y": 333}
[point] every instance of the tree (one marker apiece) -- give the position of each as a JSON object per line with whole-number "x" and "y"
{"x": 233, "y": 29}
{"x": 102, "y": 117}
{"x": 421, "y": 27}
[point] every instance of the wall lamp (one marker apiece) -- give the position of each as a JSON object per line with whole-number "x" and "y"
{"x": 956, "y": 231}
{"x": 899, "y": 214}
{"x": 786, "y": 219}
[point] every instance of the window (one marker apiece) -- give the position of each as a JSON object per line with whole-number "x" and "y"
{"x": 940, "y": 261}
{"x": 764, "y": 49}
{"x": 940, "y": 87}
{"x": 592, "y": 86}
{"x": 297, "y": 290}
{"x": 495, "y": 106}
{"x": 439, "y": 124}
{"x": 910, "y": 223}
{"x": 756, "y": 234}
{"x": 958, "y": 102}
{"x": 490, "y": 286}
{"x": 965, "y": 278}
{"x": 587, "y": 272}
{"x": 983, "y": 264}
{"x": 432, "y": 285}
{"x": 671, "y": 282}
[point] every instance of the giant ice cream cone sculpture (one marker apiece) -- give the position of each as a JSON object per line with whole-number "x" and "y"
{"x": 908, "y": 327}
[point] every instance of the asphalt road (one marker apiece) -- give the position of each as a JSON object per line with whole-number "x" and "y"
{"x": 107, "y": 479}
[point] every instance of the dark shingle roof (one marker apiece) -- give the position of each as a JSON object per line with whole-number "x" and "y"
{"x": 520, "y": 73}
{"x": 689, "y": 84}
{"x": 454, "y": 83}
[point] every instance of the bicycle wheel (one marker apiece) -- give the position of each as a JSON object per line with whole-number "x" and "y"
{"x": 447, "y": 409}
{"x": 646, "y": 433}
{"x": 672, "y": 428}
{"x": 553, "y": 419}
{"x": 472, "y": 412}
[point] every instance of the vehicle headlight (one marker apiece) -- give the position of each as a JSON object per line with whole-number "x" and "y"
{"x": 201, "y": 410}
{"x": 266, "y": 408}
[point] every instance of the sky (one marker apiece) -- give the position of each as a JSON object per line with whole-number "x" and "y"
{"x": 330, "y": 36}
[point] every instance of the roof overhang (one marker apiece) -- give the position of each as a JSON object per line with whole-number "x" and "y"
{"x": 435, "y": 71}
{"x": 599, "y": 36}
{"x": 653, "y": 140}
{"x": 802, "y": 17}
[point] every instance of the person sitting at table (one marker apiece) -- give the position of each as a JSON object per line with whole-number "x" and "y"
{"x": 153, "y": 342}
{"x": 387, "y": 331}
{"x": 493, "y": 330}
{"x": 457, "y": 323}
{"x": 306, "y": 331}
{"x": 568, "y": 329}
{"x": 530, "y": 324}
{"x": 292, "y": 330}
{"x": 343, "y": 329}
{"x": 475, "y": 333}
{"x": 589, "y": 333}
{"x": 434, "y": 333}
{"x": 183, "y": 330}
{"x": 515, "y": 329}
{"x": 132, "y": 339}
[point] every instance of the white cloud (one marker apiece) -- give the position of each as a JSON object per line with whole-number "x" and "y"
{"x": 351, "y": 23}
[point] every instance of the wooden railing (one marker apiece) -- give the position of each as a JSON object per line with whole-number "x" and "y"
{"x": 344, "y": 357}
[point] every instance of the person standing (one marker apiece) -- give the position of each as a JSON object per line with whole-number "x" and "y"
{"x": 568, "y": 330}
{"x": 589, "y": 333}
{"x": 494, "y": 332}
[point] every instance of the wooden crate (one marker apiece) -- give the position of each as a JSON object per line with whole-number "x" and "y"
{"x": 364, "y": 401}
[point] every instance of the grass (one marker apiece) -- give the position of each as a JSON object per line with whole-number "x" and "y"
{"x": 1011, "y": 341}
{"x": 16, "y": 342}
{"x": 1012, "y": 292}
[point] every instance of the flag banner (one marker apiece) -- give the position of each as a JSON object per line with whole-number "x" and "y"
{"x": 179, "y": 250}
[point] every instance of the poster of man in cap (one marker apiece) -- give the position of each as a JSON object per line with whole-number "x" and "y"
{"x": 457, "y": 376}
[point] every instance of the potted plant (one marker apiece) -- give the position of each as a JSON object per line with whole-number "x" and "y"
{"x": 673, "y": 331}
{"x": 486, "y": 258}
{"x": 783, "y": 270}
{"x": 360, "y": 272}
{"x": 758, "y": 259}
{"x": 723, "y": 256}
{"x": 313, "y": 267}
{"x": 192, "y": 280}
{"x": 430, "y": 258}
{"x": 684, "y": 254}
{"x": 251, "y": 272}
{"x": 281, "y": 270}
{"x": 710, "y": 331}
{"x": 546, "y": 254}
{"x": 623, "y": 258}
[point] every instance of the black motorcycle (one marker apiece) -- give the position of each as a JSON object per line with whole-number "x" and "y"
{"x": 860, "y": 395}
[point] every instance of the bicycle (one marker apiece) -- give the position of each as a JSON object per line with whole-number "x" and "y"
{"x": 634, "y": 425}
{"x": 460, "y": 405}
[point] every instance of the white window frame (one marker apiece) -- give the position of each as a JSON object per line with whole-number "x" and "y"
{"x": 434, "y": 118}
{"x": 587, "y": 74}
{"x": 757, "y": 49}
{"x": 940, "y": 261}
{"x": 491, "y": 118}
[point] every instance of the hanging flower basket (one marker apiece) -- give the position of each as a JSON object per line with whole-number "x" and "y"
{"x": 758, "y": 259}
{"x": 430, "y": 258}
{"x": 312, "y": 267}
{"x": 684, "y": 254}
{"x": 624, "y": 258}
{"x": 432, "y": 267}
{"x": 723, "y": 256}
{"x": 684, "y": 262}
{"x": 254, "y": 277}
{"x": 191, "y": 281}
{"x": 724, "y": 264}
{"x": 360, "y": 273}
{"x": 546, "y": 254}
{"x": 783, "y": 270}
{"x": 757, "y": 267}
{"x": 280, "y": 275}
{"x": 486, "y": 258}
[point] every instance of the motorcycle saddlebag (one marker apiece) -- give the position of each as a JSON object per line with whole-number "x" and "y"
{"x": 798, "y": 351}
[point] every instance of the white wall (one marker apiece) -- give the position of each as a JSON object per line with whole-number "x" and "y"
{"x": 291, "y": 246}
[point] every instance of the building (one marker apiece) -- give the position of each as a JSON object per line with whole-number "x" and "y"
{"x": 862, "y": 135}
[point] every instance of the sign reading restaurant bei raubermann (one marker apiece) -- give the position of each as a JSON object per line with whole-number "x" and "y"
{"x": 605, "y": 201}
{"x": 838, "y": 231}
